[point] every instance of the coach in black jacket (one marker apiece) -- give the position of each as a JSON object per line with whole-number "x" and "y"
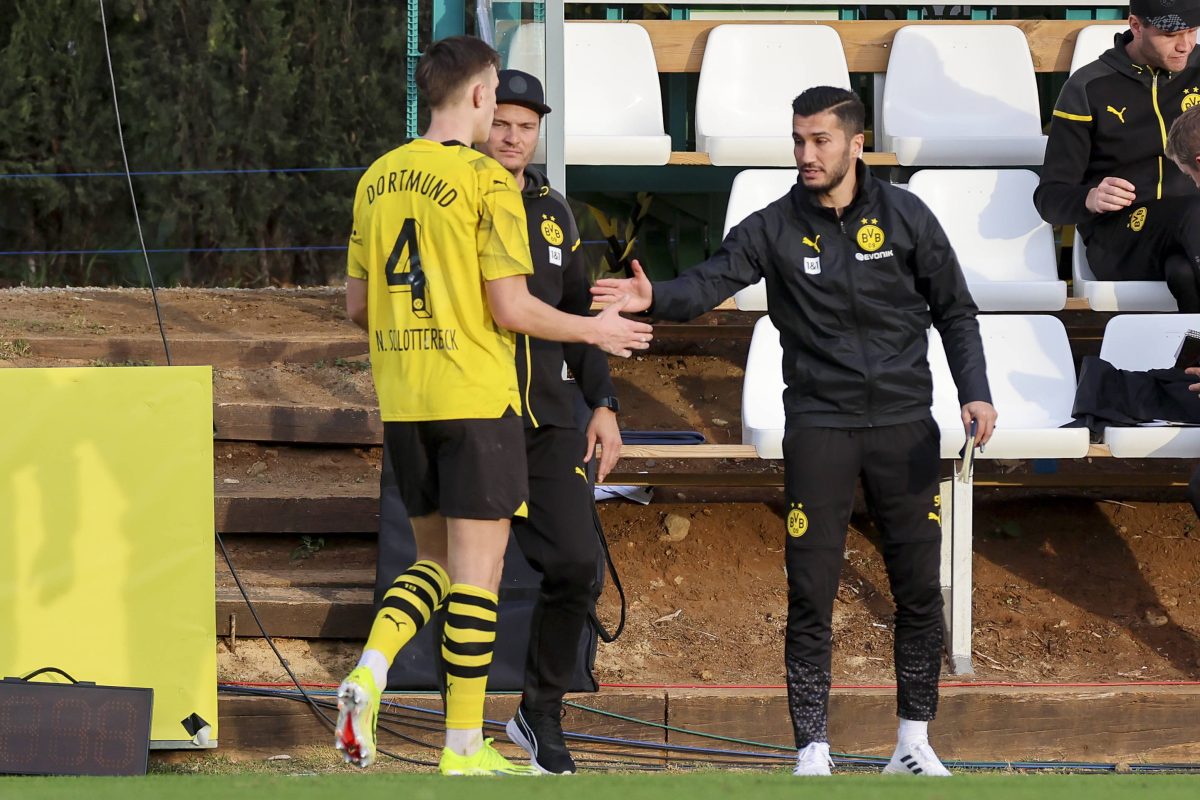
{"x": 1106, "y": 169}
{"x": 559, "y": 536}
{"x": 856, "y": 271}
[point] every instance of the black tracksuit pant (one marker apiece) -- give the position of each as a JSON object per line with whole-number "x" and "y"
{"x": 559, "y": 539}
{"x": 899, "y": 466}
{"x": 1154, "y": 241}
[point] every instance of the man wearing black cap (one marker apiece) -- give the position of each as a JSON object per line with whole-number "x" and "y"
{"x": 559, "y": 537}
{"x": 1106, "y": 168}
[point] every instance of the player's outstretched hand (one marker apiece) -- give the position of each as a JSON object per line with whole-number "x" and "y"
{"x": 1195, "y": 373}
{"x": 638, "y": 289}
{"x": 984, "y": 415}
{"x": 619, "y": 336}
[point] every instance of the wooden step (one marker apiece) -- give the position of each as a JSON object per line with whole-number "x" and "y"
{"x": 265, "y": 422}
{"x": 296, "y": 578}
{"x": 263, "y": 723}
{"x": 1108, "y": 724}
{"x": 219, "y": 350}
{"x": 313, "y": 612}
{"x": 316, "y": 513}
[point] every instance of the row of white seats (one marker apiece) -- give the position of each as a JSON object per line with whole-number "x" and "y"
{"x": 1032, "y": 378}
{"x": 954, "y": 95}
{"x": 1006, "y": 250}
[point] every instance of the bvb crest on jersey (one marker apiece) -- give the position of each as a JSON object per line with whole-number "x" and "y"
{"x": 1137, "y": 219}
{"x": 797, "y": 521}
{"x": 1191, "y": 97}
{"x": 551, "y": 231}
{"x": 870, "y": 236}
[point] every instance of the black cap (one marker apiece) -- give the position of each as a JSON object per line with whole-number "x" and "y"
{"x": 1169, "y": 16}
{"x": 522, "y": 89}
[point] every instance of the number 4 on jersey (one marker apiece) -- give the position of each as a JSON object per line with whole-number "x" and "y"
{"x": 406, "y": 275}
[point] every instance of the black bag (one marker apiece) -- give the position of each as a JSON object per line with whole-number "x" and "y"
{"x": 418, "y": 665}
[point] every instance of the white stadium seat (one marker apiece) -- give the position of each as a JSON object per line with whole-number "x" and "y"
{"x": 613, "y": 101}
{"x": 1006, "y": 250}
{"x": 748, "y": 79}
{"x": 1030, "y": 371}
{"x": 754, "y": 189}
{"x": 1032, "y": 377}
{"x": 762, "y": 392}
{"x": 1092, "y": 41}
{"x": 1116, "y": 295}
{"x": 962, "y": 95}
{"x": 1141, "y": 342}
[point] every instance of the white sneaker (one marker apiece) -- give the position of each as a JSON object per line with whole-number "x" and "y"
{"x": 813, "y": 760}
{"x": 916, "y": 758}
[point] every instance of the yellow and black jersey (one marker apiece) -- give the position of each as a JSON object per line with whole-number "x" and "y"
{"x": 1112, "y": 119}
{"x": 548, "y": 372}
{"x": 432, "y": 223}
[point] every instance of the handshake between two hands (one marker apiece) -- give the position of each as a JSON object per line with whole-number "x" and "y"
{"x": 617, "y": 335}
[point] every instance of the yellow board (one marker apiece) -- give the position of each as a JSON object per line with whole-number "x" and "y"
{"x": 106, "y": 532}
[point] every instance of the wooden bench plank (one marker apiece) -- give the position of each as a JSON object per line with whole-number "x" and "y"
{"x": 689, "y": 158}
{"x": 679, "y": 44}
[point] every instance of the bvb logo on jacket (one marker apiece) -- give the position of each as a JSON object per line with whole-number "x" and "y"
{"x": 1191, "y": 97}
{"x": 553, "y": 234}
{"x": 1137, "y": 219}
{"x": 870, "y": 237}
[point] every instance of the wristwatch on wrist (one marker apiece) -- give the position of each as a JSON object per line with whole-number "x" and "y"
{"x": 609, "y": 402}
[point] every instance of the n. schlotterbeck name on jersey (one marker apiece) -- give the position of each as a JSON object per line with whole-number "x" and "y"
{"x": 394, "y": 339}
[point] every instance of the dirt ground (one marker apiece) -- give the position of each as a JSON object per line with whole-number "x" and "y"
{"x": 1070, "y": 585}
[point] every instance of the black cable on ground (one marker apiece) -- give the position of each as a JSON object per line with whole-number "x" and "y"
{"x": 601, "y": 631}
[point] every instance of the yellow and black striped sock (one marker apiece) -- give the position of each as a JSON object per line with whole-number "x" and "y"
{"x": 408, "y": 605}
{"x": 467, "y": 650}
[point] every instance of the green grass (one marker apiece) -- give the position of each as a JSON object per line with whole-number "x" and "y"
{"x": 690, "y": 786}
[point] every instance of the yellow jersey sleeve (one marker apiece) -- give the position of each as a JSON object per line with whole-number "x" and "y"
{"x": 502, "y": 236}
{"x": 356, "y": 253}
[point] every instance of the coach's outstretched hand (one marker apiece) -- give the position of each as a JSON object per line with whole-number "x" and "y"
{"x": 638, "y": 290}
{"x": 619, "y": 336}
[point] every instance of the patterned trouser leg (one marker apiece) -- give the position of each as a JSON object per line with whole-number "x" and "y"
{"x": 918, "y": 665}
{"x": 808, "y": 701}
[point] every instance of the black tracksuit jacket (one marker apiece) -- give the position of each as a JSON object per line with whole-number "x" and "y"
{"x": 852, "y": 298}
{"x": 559, "y": 279}
{"x": 1111, "y": 119}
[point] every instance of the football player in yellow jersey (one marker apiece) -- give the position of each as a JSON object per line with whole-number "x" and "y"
{"x": 436, "y": 266}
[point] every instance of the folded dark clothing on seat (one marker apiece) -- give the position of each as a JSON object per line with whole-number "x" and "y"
{"x": 1107, "y": 396}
